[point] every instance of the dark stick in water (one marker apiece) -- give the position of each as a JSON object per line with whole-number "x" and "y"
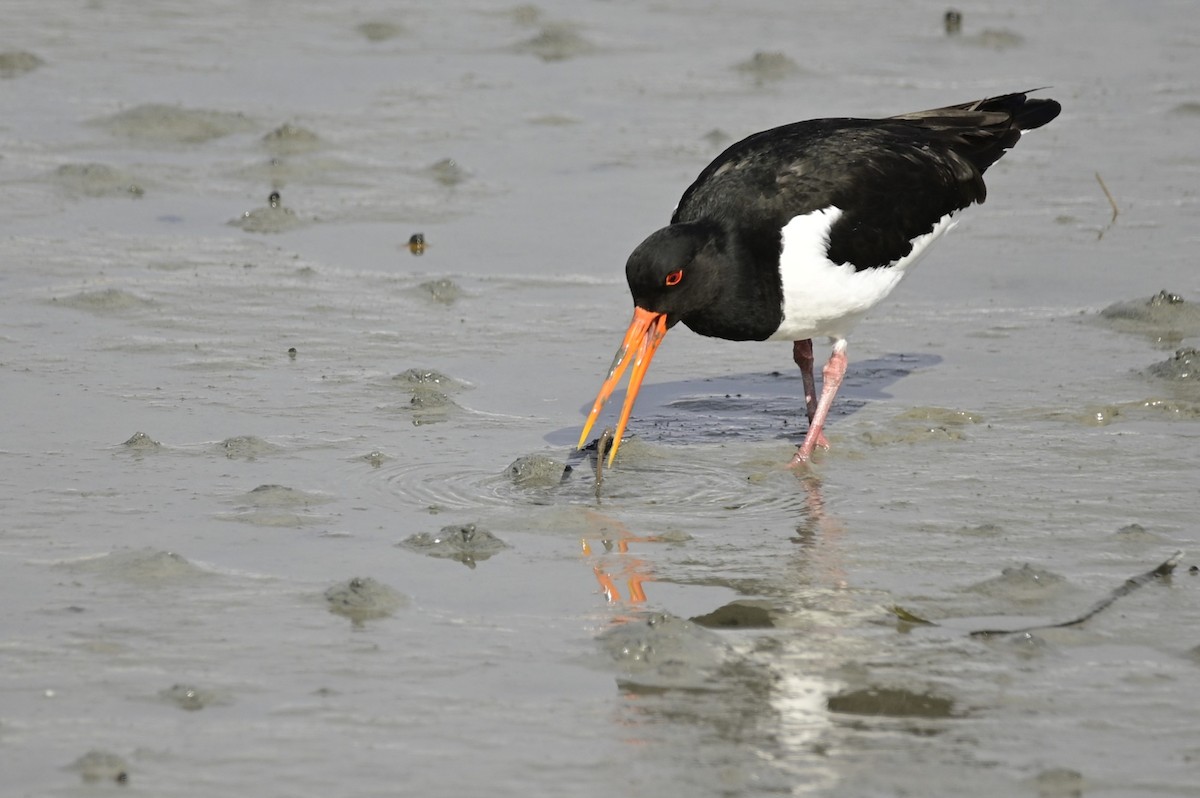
{"x": 1141, "y": 580}
{"x": 1163, "y": 571}
{"x": 1112, "y": 202}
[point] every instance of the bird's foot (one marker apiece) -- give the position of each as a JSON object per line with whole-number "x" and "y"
{"x": 804, "y": 451}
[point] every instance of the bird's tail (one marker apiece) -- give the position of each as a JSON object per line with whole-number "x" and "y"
{"x": 983, "y": 130}
{"x": 1026, "y": 114}
{"x": 1007, "y": 111}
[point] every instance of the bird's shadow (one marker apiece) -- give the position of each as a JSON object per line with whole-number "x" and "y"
{"x": 759, "y": 405}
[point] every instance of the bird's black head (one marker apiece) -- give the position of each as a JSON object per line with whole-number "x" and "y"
{"x": 674, "y": 270}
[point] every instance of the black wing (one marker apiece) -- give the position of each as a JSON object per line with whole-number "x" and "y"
{"x": 893, "y": 179}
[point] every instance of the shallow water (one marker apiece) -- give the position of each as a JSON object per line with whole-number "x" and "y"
{"x": 168, "y": 595}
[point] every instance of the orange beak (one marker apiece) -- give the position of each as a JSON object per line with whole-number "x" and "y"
{"x": 645, "y": 333}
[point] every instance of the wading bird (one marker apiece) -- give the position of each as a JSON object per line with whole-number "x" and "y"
{"x": 796, "y": 232}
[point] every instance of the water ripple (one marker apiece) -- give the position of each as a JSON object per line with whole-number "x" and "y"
{"x": 662, "y": 479}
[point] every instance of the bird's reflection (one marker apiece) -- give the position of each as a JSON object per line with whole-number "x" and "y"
{"x": 621, "y": 571}
{"x": 820, "y": 561}
{"x": 758, "y": 699}
{"x": 614, "y": 539}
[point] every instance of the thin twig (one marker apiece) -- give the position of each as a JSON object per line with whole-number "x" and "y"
{"x": 1108, "y": 194}
{"x": 1161, "y": 572}
{"x": 1112, "y": 202}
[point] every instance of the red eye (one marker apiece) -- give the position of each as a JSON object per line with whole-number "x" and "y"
{"x": 675, "y": 277}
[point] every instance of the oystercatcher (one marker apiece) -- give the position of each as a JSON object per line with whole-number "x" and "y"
{"x": 798, "y": 231}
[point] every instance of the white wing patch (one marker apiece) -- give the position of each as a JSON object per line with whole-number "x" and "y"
{"x": 822, "y": 298}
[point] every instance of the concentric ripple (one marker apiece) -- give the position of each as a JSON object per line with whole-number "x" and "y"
{"x": 662, "y": 478}
{"x": 716, "y": 446}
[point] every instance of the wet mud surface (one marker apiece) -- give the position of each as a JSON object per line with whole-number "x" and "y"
{"x": 465, "y": 543}
{"x": 363, "y": 598}
{"x": 298, "y": 319}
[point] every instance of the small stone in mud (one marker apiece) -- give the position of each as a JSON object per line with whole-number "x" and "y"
{"x": 466, "y": 543}
{"x": 141, "y": 440}
{"x": 764, "y": 67}
{"x": 191, "y": 698}
{"x": 1184, "y": 365}
{"x": 443, "y": 290}
{"x": 537, "y": 471}
{"x": 363, "y": 599}
{"x": 14, "y": 63}
{"x": 98, "y": 765}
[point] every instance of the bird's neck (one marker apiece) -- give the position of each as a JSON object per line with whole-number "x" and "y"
{"x": 749, "y": 295}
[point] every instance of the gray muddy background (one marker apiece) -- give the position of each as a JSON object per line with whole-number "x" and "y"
{"x": 227, "y": 568}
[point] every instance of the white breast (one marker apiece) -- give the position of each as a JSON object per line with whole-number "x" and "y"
{"x": 822, "y": 298}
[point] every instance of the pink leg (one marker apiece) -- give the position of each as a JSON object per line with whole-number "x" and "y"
{"x": 831, "y": 380}
{"x": 803, "y": 355}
